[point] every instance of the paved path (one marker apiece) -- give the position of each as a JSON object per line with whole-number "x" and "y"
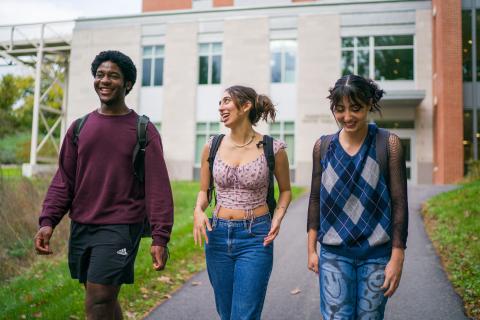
{"x": 424, "y": 292}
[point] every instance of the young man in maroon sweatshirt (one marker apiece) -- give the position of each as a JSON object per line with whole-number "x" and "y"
{"x": 96, "y": 184}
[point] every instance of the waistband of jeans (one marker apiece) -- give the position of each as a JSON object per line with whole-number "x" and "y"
{"x": 242, "y": 222}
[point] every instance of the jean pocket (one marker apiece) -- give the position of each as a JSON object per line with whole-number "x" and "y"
{"x": 260, "y": 229}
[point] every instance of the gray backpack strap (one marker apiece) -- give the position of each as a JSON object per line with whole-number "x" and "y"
{"x": 381, "y": 145}
{"x": 324, "y": 143}
{"x": 78, "y": 127}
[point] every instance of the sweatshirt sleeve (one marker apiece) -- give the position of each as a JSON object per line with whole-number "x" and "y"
{"x": 59, "y": 196}
{"x": 158, "y": 193}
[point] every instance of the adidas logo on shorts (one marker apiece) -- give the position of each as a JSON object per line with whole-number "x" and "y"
{"x": 123, "y": 251}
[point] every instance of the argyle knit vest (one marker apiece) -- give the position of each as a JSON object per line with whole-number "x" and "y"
{"x": 355, "y": 207}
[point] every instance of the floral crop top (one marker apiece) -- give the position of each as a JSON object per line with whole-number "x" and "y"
{"x": 244, "y": 186}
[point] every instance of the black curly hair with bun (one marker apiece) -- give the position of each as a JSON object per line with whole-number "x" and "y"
{"x": 361, "y": 91}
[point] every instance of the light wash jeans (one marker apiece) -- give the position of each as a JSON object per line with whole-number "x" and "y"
{"x": 350, "y": 288}
{"x": 239, "y": 266}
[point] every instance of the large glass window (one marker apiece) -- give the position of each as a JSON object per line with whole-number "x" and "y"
{"x": 152, "y": 66}
{"x": 468, "y": 135}
{"x": 285, "y": 131}
{"x": 282, "y": 60}
{"x": 379, "y": 57}
{"x": 210, "y": 63}
{"x": 467, "y": 44}
{"x": 204, "y": 130}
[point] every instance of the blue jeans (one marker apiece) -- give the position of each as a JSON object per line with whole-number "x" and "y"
{"x": 350, "y": 288}
{"x": 239, "y": 266}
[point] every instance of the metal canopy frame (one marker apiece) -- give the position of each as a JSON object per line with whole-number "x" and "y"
{"x": 34, "y": 46}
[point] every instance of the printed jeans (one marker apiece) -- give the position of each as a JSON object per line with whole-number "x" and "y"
{"x": 350, "y": 288}
{"x": 239, "y": 266}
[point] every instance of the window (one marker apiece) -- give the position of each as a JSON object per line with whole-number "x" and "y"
{"x": 285, "y": 131}
{"x": 152, "y": 66}
{"x": 282, "y": 60}
{"x": 379, "y": 57}
{"x": 204, "y": 130}
{"x": 158, "y": 125}
{"x": 210, "y": 63}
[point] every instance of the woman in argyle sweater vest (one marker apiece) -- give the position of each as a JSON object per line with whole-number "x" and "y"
{"x": 358, "y": 209}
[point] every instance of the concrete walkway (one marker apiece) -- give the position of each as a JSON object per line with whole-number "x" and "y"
{"x": 424, "y": 293}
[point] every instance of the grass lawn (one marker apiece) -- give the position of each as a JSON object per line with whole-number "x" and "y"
{"x": 46, "y": 290}
{"x": 453, "y": 223}
{"x": 11, "y": 171}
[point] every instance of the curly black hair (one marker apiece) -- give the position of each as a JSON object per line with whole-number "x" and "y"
{"x": 123, "y": 61}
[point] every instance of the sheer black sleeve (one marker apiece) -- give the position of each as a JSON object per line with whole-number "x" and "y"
{"x": 398, "y": 192}
{"x": 313, "y": 220}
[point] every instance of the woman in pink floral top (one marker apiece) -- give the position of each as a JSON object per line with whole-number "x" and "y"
{"x": 239, "y": 237}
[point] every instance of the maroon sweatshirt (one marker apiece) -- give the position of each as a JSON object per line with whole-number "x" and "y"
{"x": 95, "y": 180}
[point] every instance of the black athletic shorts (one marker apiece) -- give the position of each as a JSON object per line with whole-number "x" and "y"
{"x": 103, "y": 254}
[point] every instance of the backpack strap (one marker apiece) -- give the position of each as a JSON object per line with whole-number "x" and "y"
{"x": 217, "y": 139}
{"x": 138, "y": 159}
{"x": 324, "y": 143}
{"x": 78, "y": 127}
{"x": 381, "y": 145}
{"x": 270, "y": 156}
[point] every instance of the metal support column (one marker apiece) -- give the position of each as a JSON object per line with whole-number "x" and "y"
{"x": 36, "y": 99}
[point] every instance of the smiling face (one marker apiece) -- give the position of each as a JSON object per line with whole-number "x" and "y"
{"x": 109, "y": 83}
{"x": 230, "y": 114}
{"x": 350, "y": 115}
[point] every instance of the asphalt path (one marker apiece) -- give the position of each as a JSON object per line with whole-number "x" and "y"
{"x": 424, "y": 293}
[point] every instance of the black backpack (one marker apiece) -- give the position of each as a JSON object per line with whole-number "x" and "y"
{"x": 138, "y": 157}
{"x": 267, "y": 142}
{"x": 381, "y": 145}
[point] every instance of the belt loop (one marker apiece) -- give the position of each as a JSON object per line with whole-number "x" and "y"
{"x": 251, "y": 217}
{"x": 214, "y": 218}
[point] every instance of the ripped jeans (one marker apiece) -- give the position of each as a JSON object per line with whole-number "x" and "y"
{"x": 350, "y": 288}
{"x": 239, "y": 266}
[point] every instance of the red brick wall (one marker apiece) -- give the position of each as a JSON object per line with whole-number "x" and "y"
{"x": 163, "y": 5}
{"x": 222, "y": 3}
{"x": 447, "y": 88}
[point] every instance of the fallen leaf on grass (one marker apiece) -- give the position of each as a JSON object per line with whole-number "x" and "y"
{"x": 295, "y": 291}
{"x": 130, "y": 315}
{"x": 167, "y": 296}
{"x": 23, "y": 316}
{"x": 196, "y": 283}
{"x": 143, "y": 290}
{"x": 164, "y": 279}
{"x": 37, "y": 315}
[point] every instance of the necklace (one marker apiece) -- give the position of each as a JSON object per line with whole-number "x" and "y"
{"x": 245, "y": 144}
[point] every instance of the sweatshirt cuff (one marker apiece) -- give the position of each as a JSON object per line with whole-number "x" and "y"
{"x": 46, "y": 222}
{"x": 159, "y": 241}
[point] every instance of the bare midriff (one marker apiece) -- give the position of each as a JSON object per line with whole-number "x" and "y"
{"x": 239, "y": 214}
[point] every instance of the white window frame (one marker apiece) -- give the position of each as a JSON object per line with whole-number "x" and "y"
{"x": 281, "y": 133}
{"x": 154, "y": 55}
{"x": 208, "y": 132}
{"x": 283, "y": 51}
{"x": 371, "y": 52}
{"x": 210, "y": 55}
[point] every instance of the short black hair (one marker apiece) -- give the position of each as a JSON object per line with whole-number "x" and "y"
{"x": 123, "y": 61}
{"x": 357, "y": 89}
